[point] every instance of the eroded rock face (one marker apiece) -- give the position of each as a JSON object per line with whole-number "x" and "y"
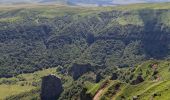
{"x": 51, "y": 88}
{"x": 98, "y": 77}
{"x": 114, "y": 76}
{"x": 79, "y": 69}
{"x": 138, "y": 80}
{"x": 85, "y": 96}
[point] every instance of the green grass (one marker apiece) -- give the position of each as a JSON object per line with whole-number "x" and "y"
{"x": 51, "y": 11}
{"x": 156, "y": 89}
{"x": 22, "y": 83}
{"x": 30, "y": 95}
{"x": 144, "y": 90}
{"x": 134, "y": 90}
{"x": 92, "y": 88}
{"x": 8, "y": 90}
{"x": 144, "y": 6}
{"x": 110, "y": 92}
{"x": 130, "y": 19}
{"x": 11, "y": 20}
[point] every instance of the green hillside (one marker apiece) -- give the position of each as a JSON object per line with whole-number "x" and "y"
{"x": 154, "y": 86}
{"x": 98, "y": 52}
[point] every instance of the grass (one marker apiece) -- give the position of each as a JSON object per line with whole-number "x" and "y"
{"x": 144, "y": 6}
{"x": 92, "y": 88}
{"x": 51, "y": 11}
{"x": 144, "y": 90}
{"x": 130, "y": 19}
{"x": 10, "y": 20}
{"x": 8, "y": 90}
{"x": 134, "y": 90}
{"x": 155, "y": 89}
{"x": 37, "y": 12}
{"x": 110, "y": 92}
{"x": 121, "y": 7}
{"x": 22, "y": 83}
{"x": 30, "y": 95}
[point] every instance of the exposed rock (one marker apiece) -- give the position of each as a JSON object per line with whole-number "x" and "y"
{"x": 114, "y": 76}
{"x": 155, "y": 72}
{"x": 155, "y": 94}
{"x": 98, "y": 77}
{"x": 51, "y": 88}
{"x": 84, "y": 95}
{"x": 138, "y": 80}
{"x": 131, "y": 77}
{"x": 79, "y": 69}
{"x": 117, "y": 87}
{"x": 135, "y": 98}
{"x": 123, "y": 65}
{"x": 122, "y": 97}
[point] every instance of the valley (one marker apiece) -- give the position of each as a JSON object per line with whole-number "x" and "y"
{"x": 98, "y": 53}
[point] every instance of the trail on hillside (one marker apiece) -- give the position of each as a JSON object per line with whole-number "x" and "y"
{"x": 100, "y": 91}
{"x": 97, "y": 96}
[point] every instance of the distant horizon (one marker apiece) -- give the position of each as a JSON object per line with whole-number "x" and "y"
{"x": 81, "y": 2}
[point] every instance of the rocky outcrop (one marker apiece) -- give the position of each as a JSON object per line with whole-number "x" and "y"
{"x": 79, "y": 69}
{"x": 98, "y": 77}
{"x": 84, "y": 95}
{"x": 51, "y": 88}
{"x": 135, "y": 98}
{"x": 138, "y": 80}
{"x": 114, "y": 76}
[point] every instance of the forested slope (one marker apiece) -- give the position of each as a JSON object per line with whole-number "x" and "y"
{"x": 38, "y": 37}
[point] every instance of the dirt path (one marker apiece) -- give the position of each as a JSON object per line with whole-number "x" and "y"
{"x": 100, "y": 91}
{"x": 97, "y": 96}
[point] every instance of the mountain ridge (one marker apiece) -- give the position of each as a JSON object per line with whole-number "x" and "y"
{"x": 82, "y": 2}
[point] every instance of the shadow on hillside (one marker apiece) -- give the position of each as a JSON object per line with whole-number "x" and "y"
{"x": 154, "y": 40}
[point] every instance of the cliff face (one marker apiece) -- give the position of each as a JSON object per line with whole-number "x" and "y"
{"x": 79, "y": 69}
{"x": 51, "y": 88}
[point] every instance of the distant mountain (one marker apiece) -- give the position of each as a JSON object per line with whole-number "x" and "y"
{"x": 51, "y": 1}
{"x": 30, "y": 1}
{"x": 77, "y": 2}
